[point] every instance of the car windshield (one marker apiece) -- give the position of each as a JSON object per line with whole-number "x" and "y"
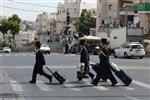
{"x": 44, "y": 45}
{"x": 6, "y": 48}
{"x": 136, "y": 47}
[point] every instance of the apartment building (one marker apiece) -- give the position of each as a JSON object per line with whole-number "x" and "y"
{"x": 74, "y": 8}
{"x": 42, "y": 24}
{"x": 115, "y": 13}
{"x": 144, "y": 15}
{"x": 43, "y": 27}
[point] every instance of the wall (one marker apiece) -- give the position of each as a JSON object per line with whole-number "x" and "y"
{"x": 145, "y": 22}
{"x": 117, "y": 37}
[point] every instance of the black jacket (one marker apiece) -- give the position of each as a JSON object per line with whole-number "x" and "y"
{"x": 104, "y": 56}
{"x": 84, "y": 58}
{"x": 40, "y": 61}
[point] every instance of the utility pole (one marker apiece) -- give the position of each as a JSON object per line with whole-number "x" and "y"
{"x": 126, "y": 17}
{"x": 79, "y": 1}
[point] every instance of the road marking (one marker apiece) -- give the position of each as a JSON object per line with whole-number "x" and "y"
{"x": 24, "y": 55}
{"x": 72, "y": 87}
{"x": 141, "y": 84}
{"x": 40, "y": 84}
{"x": 123, "y": 87}
{"x": 101, "y": 88}
{"x": 73, "y": 67}
{"x": 128, "y": 88}
{"x": 7, "y": 55}
{"x": 16, "y": 86}
{"x": 131, "y": 98}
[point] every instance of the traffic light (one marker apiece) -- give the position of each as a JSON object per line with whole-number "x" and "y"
{"x": 66, "y": 30}
{"x": 68, "y": 18}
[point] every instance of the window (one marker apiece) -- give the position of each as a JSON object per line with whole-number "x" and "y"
{"x": 110, "y": 6}
{"x": 115, "y": 37}
{"x": 136, "y": 47}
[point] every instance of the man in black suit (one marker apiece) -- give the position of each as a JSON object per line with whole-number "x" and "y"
{"x": 104, "y": 71}
{"x": 84, "y": 58}
{"x": 38, "y": 67}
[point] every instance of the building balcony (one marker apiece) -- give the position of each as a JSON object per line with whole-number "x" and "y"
{"x": 131, "y": 10}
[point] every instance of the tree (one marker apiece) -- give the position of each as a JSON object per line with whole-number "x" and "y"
{"x": 4, "y": 26}
{"x": 14, "y": 25}
{"x": 87, "y": 21}
{"x": 11, "y": 24}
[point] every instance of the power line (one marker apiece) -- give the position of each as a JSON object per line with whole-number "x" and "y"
{"x": 34, "y": 4}
{"x": 21, "y": 9}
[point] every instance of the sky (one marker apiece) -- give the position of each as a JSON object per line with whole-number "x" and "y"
{"x": 29, "y": 9}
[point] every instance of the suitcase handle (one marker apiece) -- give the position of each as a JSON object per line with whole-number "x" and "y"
{"x": 51, "y": 71}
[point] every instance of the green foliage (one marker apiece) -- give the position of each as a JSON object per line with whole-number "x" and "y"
{"x": 87, "y": 21}
{"x": 4, "y": 26}
{"x": 12, "y": 24}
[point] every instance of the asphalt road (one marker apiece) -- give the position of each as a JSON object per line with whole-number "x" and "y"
{"x": 18, "y": 67}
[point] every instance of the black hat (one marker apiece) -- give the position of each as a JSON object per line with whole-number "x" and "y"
{"x": 104, "y": 41}
{"x": 82, "y": 42}
{"x": 38, "y": 44}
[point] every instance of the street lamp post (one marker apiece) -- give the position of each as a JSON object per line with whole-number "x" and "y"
{"x": 125, "y": 15}
{"x": 78, "y": 17}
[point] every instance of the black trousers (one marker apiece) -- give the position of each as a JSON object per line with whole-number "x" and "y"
{"x": 104, "y": 73}
{"x": 41, "y": 72}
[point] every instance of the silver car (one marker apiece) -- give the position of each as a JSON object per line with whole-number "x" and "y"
{"x": 45, "y": 48}
{"x": 130, "y": 50}
{"x": 6, "y": 50}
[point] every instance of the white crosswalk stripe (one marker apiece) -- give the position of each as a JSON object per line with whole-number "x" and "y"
{"x": 40, "y": 84}
{"x": 72, "y": 87}
{"x": 76, "y": 87}
{"x": 101, "y": 88}
{"x": 16, "y": 86}
{"x": 141, "y": 84}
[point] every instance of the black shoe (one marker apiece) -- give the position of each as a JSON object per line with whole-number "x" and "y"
{"x": 94, "y": 84}
{"x": 104, "y": 80}
{"x": 79, "y": 79}
{"x": 50, "y": 79}
{"x": 32, "y": 82}
{"x": 113, "y": 84}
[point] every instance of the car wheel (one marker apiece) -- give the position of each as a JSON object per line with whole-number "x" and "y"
{"x": 141, "y": 57}
{"x": 49, "y": 52}
{"x": 125, "y": 55}
{"x": 115, "y": 55}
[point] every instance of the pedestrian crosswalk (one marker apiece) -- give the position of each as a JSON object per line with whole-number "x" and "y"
{"x": 31, "y": 54}
{"x": 75, "y": 86}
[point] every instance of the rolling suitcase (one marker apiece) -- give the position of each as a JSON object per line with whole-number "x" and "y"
{"x": 57, "y": 76}
{"x": 126, "y": 79}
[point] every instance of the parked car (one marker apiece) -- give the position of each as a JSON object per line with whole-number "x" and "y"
{"x": 130, "y": 50}
{"x": 45, "y": 48}
{"x": 6, "y": 50}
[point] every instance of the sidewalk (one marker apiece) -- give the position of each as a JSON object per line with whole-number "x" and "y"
{"x": 6, "y": 91}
